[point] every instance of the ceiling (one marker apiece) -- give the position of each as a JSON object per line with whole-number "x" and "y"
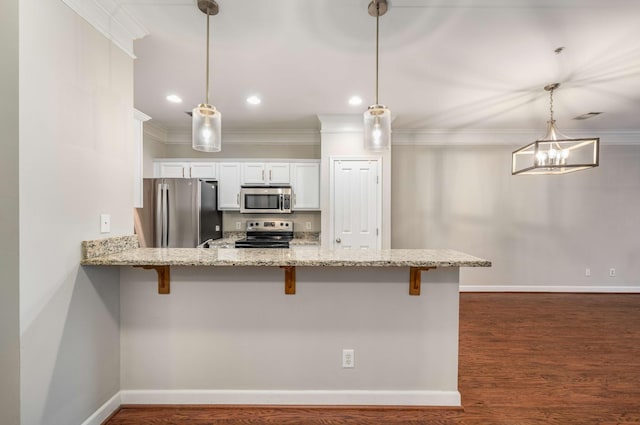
{"x": 449, "y": 65}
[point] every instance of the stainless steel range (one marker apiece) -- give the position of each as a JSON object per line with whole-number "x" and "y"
{"x": 267, "y": 234}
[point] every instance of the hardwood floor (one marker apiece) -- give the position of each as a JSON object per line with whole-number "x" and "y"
{"x": 524, "y": 359}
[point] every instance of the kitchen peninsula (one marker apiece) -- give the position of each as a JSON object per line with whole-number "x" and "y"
{"x": 228, "y": 333}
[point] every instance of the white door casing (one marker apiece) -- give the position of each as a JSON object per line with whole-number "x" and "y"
{"x": 356, "y": 203}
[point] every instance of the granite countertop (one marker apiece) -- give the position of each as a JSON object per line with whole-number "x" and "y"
{"x": 296, "y": 256}
{"x": 124, "y": 251}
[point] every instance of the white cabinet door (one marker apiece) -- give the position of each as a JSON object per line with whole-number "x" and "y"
{"x": 207, "y": 170}
{"x": 253, "y": 173}
{"x": 277, "y": 173}
{"x": 229, "y": 186}
{"x": 171, "y": 169}
{"x": 186, "y": 170}
{"x": 305, "y": 182}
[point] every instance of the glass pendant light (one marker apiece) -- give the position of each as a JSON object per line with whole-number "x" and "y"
{"x": 206, "y": 124}
{"x": 555, "y": 153}
{"x": 377, "y": 118}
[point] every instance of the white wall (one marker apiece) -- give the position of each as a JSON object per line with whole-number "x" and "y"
{"x": 151, "y": 148}
{"x": 76, "y": 108}
{"x": 300, "y": 220}
{"x": 539, "y": 231}
{"x": 9, "y": 218}
{"x": 342, "y": 135}
{"x": 246, "y": 150}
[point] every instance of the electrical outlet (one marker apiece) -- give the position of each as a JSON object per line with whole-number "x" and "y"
{"x": 612, "y": 272}
{"x": 348, "y": 358}
{"x": 307, "y": 225}
{"x": 105, "y": 223}
{"x": 587, "y": 272}
{"x": 238, "y": 225}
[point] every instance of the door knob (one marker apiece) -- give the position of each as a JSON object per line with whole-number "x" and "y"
{"x": 338, "y": 240}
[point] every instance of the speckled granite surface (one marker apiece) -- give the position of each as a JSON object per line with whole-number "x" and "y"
{"x": 299, "y": 238}
{"x": 100, "y": 247}
{"x": 295, "y": 256}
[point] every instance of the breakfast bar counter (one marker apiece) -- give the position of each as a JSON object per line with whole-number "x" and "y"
{"x": 228, "y": 334}
{"x": 294, "y": 256}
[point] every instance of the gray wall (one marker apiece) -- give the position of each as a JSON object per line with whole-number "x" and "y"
{"x": 9, "y": 219}
{"x": 76, "y": 162}
{"x": 246, "y": 150}
{"x": 537, "y": 230}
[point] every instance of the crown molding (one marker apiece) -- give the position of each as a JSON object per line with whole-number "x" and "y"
{"x": 111, "y": 19}
{"x": 344, "y": 124}
{"x": 155, "y": 132}
{"x": 510, "y": 137}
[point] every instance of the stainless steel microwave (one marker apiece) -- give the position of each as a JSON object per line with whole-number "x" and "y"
{"x": 265, "y": 199}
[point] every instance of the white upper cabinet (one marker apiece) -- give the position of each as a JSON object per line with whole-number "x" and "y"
{"x": 229, "y": 185}
{"x": 207, "y": 170}
{"x": 278, "y": 172}
{"x": 302, "y": 175}
{"x": 305, "y": 183}
{"x": 265, "y": 173}
{"x": 186, "y": 170}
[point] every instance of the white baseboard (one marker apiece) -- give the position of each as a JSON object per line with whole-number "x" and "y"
{"x": 307, "y": 397}
{"x": 550, "y": 288}
{"x": 104, "y": 411}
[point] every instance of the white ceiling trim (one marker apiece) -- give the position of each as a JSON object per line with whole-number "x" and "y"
{"x": 476, "y": 137}
{"x": 112, "y": 20}
{"x": 155, "y": 132}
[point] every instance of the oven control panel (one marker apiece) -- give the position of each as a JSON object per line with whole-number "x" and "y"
{"x": 269, "y": 225}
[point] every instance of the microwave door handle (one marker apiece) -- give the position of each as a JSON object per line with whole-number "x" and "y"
{"x": 281, "y": 202}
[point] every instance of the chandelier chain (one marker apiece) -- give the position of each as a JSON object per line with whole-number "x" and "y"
{"x": 551, "y": 103}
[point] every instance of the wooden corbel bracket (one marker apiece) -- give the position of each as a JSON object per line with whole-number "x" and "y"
{"x": 289, "y": 280}
{"x": 164, "y": 278}
{"x": 414, "y": 279}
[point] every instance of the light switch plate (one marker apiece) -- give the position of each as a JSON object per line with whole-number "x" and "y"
{"x": 105, "y": 223}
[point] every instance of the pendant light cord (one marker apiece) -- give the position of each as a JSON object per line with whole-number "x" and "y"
{"x": 207, "y": 96}
{"x": 377, "y": 46}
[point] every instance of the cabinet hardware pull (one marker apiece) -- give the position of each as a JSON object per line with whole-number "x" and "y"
{"x": 270, "y": 174}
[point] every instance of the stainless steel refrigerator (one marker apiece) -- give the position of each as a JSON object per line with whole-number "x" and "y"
{"x": 178, "y": 213}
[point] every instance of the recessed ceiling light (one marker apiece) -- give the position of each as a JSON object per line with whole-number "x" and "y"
{"x": 253, "y": 100}
{"x": 355, "y": 100}
{"x": 174, "y": 98}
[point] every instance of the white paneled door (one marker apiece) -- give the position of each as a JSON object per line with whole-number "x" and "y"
{"x": 356, "y": 204}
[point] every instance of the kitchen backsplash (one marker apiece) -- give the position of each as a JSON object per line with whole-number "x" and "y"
{"x": 303, "y": 221}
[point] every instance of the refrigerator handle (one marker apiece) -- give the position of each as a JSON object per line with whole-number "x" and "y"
{"x": 165, "y": 218}
{"x": 159, "y": 226}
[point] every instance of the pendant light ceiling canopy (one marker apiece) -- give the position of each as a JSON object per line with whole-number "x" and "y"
{"x": 206, "y": 125}
{"x": 377, "y": 118}
{"x": 555, "y": 153}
